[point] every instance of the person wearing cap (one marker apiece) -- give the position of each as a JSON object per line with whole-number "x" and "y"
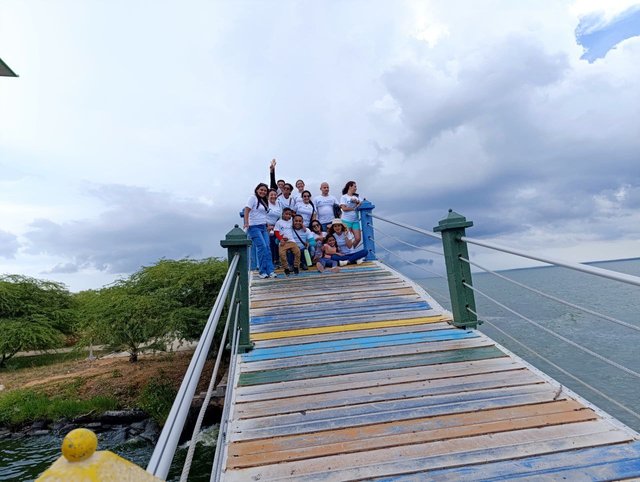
{"x": 346, "y": 244}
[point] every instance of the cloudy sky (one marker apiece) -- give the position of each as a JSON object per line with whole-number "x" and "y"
{"x": 137, "y": 129}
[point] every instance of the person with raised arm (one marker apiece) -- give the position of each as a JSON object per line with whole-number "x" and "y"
{"x": 275, "y": 211}
{"x": 349, "y": 203}
{"x": 255, "y": 223}
{"x": 325, "y": 206}
{"x": 283, "y": 230}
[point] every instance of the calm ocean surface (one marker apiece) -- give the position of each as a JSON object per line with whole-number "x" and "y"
{"x": 25, "y": 459}
{"x": 617, "y": 343}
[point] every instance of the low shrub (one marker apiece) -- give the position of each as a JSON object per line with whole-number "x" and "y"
{"x": 156, "y": 399}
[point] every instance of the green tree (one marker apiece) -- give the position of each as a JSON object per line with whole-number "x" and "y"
{"x": 34, "y": 315}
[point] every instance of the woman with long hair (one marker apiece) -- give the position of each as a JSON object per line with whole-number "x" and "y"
{"x": 316, "y": 230}
{"x": 346, "y": 244}
{"x": 306, "y": 209}
{"x": 349, "y": 203}
{"x": 255, "y": 222}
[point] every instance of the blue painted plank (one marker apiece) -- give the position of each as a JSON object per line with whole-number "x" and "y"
{"x": 422, "y": 305}
{"x": 610, "y": 462}
{"x": 355, "y": 344}
{"x": 363, "y": 301}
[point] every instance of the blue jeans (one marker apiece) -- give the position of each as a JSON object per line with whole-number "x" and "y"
{"x": 260, "y": 239}
{"x": 350, "y": 257}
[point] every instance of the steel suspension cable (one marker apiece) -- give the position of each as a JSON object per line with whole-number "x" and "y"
{"x": 551, "y": 297}
{"x": 560, "y": 369}
{"x": 553, "y": 333}
{"x": 205, "y": 404}
{"x": 604, "y": 273}
{"x": 410, "y": 262}
{"x": 407, "y": 226}
{"x": 404, "y": 242}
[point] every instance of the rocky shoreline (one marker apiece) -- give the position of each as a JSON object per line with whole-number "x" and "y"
{"x": 124, "y": 425}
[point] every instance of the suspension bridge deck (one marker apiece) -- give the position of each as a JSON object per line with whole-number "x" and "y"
{"x": 358, "y": 375}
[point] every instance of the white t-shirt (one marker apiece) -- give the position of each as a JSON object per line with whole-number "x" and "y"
{"x": 341, "y": 242}
{"x": 324, "y": 205}
{"x": 275, "y": 211}
{"x": 257, "y": 213}
{"x": 287, "y": 203}
{"x": 305, "y": 235}
{"x": 285, "y": 228}
{"x": 306, "y": 211}
{"x": 350, "y": 216}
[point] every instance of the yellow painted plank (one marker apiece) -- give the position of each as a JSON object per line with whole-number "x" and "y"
{"x": 352, "y": 327}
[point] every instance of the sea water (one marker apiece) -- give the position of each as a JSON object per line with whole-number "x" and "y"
{"x": 615, "y": 342}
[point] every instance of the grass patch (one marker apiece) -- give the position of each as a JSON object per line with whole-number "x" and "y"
{"x": 44, "y": 359}
{"x": 156, "y": 398}
{"x": 18, "y": 407}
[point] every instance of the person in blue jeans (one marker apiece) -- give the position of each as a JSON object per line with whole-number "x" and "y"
{"x": 255, "y": 222}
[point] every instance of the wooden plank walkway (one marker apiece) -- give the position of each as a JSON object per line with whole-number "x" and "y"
{"x": 358, "y": 375}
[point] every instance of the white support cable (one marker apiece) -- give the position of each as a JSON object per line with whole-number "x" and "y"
{"x": 553, "y": 333}
{"x": 561, "y": 370}
{"x": 551, "y": 297}
{"x": 603, "y": 273}
{"x": 222, "y": 435}
{"x": 186, "y": 468}
{"x": 404, "y": 242}
{"x": 410, "y": 262}
{"x": 407, "y": 226}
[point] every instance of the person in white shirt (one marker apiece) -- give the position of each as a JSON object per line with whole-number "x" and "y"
{"x": 255, "y": 222}
{"x": 303, "y": 237}
{"x": 346, "y": 244}
{"x": 297, "y": 195}
{"x": 319, "y": 234}
{"x": 283, "y": 230}
{"x": 349, "y": 203}
{"x": 286, "y": 200}
{"x": 325, "y": 206}
{"x": 275, "y": 211}
{"x": 306, "y": 209}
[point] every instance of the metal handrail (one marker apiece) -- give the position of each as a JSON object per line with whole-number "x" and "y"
{"x": 604, "y": 273}
{"x": 407, "y": 226}
{"x": 165, "y": 449}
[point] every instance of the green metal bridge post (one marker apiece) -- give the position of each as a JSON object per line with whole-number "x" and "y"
{"x": 458, "y": 272}
{"x": 237, "y": 242}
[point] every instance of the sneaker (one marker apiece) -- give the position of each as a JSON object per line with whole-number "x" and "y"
{"x": 296, "y": 271}
{"x": 360, "y": 261}
{"x": 273, "y": 275}
{"x": 343, "y": 263}
{"x": 264, "y": 275}
{"x": 287, "y": 272}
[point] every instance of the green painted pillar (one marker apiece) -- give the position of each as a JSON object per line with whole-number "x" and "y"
{"x": 237, "y": 242}
{"x": 453, "y": 229}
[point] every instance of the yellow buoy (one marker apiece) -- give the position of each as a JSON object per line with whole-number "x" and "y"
{"x": 79, "y": 444}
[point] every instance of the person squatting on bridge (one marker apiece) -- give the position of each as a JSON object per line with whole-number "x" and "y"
{"x": 295, "y": 230}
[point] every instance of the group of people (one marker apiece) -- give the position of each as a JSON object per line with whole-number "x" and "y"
{"x": 296, "y": 230}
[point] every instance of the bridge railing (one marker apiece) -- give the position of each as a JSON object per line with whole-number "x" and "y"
{"x": 234, "y": 294}
{"x": 450, "y": 231}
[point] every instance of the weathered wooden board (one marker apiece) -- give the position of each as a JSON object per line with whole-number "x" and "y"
{"x": 366, "y": 442}
{"x": 384, "y": 393}
{"x": 368, "y": 365}
{"x": 390, "y": 410}
{"x": 610, "y": 462}
{"x": 411, "y": 458}
{"x": 347, "y": 334}
{"x": 356, "y": 344}
{"x": 366, "y": 354}
{"x": 335, "y": 383}
{"x": 267, "y": 334}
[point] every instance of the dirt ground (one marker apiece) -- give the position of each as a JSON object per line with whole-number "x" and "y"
{"x": 106, "y": 376}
